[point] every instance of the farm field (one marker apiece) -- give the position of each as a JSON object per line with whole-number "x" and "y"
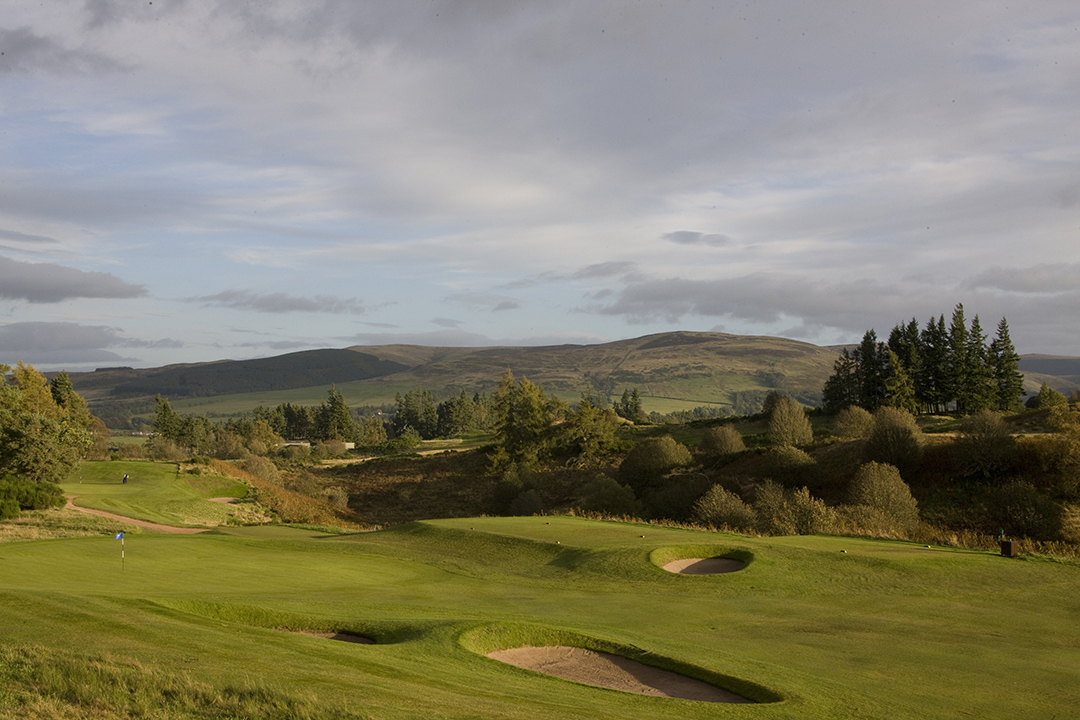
{"x": 824, "y": 627}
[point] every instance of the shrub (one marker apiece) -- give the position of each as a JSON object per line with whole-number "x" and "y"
{"x": 527, "y": 503}
{"x": 651, "y": 459}
{"x": 986, "y": 446}
{"x": 163, "y": 449}
{"x": 1020, "y": 509}
{"x": 790, "y": 512}
{"x": 721, "y": 509}
{"x": 880, "y": 487}
{"x": 675, "y": 498}
{"x": 722, "y": 440}
{"x": 261, "y": 468}
{"x": 853, "y": 422}
{"x": 1048, "y": 397}
{"x": 788, "y": 424}
{"x": 17, "y": 493}
{"x": 328, "y": 449}
{"x": 895, "y": 439}
{"x": 605, "y": 495}
{"x": 296, "y": 452}
{"x": 337, "y": 495}
{"x": 787, "y": 465}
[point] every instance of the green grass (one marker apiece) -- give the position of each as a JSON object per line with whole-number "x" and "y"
{"x": 155, "y": 492}
{"x": 193, "y": 624}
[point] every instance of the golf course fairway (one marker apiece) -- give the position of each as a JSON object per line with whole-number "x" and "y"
{"x": 883, "y": 630}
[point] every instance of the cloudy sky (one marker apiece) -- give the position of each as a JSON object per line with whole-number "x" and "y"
{"x": 191, "y": 180}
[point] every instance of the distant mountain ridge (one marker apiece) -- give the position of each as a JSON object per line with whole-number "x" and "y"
{"x": 680, "y": 367}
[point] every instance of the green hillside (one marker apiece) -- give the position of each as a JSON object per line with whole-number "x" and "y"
{"x": 676, "y": 370}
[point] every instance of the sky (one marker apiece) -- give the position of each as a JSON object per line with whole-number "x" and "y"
{"x": 197, "y": 180}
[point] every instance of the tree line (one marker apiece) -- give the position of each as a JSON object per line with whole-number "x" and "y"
{"x": 45, "y": 430}
{"x": 936, "y": 369}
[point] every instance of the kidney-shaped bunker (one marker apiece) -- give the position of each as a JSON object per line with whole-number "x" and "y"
{"x": 614, "y": 672}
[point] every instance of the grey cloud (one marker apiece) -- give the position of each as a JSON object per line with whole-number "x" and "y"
{"x": 23, "y": 51}
{"x": 767, "y": 298}
{"x": 689, "y": 237}
{"x": 490, "y": 301}
{"x": 1036, "y": 279}
{"x": 611, "y": 269}
{"x": 49, "y": 343}
{"x": 446, "y": 322}
{"x": 23, "y": 237}
{"x": 281, "y": 302}
{"x": 50, "y": 283}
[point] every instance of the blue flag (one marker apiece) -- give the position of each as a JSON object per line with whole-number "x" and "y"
{"x": 119, "y": 536}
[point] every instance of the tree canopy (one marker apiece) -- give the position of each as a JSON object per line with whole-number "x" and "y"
{"x": 941, "y": 368}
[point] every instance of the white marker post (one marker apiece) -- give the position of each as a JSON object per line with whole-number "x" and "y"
{"x": 120, "y": 537}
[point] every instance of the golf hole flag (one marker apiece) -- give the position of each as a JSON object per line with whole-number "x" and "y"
{"x": 119, "y": 536}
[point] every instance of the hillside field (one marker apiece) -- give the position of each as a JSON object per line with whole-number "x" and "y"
{"x": 822, "y": 627}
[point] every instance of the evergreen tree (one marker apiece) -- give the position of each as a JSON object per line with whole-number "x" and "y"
{"x": 589, "y": 431}
{"x": 842, "y": 388}
{"x": 333, "y": 420}
{"x": 417, "y": 410}
{"x": 167, "y": 423}
{"x": 629, "y": 406}
{"x": 978, "y": 395}
{"x": 1008, "y": 383}
{"x": 899, "y": 388}
{"x": 958, "y": 374}
{"x": 523, "y": 416}
{"x": 935, "y": 386}
{"x": 873, "y": 363}
{"x": 456, "y": 415}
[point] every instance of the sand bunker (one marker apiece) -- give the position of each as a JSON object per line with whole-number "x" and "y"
{"x": 341, "y": 636}
{"x": 613, "y": 672}
{"x": 704, "y": 566}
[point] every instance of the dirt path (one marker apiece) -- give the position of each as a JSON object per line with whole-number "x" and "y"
{"x": 131, "y": 521}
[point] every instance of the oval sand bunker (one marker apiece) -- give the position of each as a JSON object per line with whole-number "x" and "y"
{"x": 704, "y": 566}
{"x": 612, "y": 672}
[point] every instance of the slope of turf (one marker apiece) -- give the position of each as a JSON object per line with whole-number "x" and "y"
{"x": 155, "y": 492}
{"x": 884, "y": 629}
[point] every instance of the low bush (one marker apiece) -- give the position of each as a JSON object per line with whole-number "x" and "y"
{"x": 895, "y": 439}
{"x": 781, "y": 511}
{"x": 789, "y": 425}
{"x": 788, "y": 465}
{"x": 651, "y": 459}
{"x": 604, "y": 494}
{"x": 1021, "y": 510}
{"x": 853, "y": 423}
{"x": 986, "y": 447}
{"x": 879, "y": 486}
{"x": 720, "y": 441}
{"x": 722, "y": 509}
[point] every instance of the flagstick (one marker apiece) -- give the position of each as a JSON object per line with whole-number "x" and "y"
{"x": 121, "y": 552}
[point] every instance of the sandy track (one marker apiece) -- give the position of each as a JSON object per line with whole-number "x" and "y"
{"x": 131, "y": 521}
{"x": 612, "y": 672}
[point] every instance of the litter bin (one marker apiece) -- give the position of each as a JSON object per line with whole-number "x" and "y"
{"x": 1010, "y": 548}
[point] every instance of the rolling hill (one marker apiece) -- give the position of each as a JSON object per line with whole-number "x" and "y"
{"x": 674, "y": 370}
